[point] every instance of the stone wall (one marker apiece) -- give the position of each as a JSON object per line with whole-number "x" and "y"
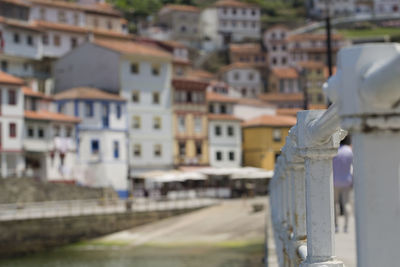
{"x": 18, "y": 190}
{"x": 19, "y": 237}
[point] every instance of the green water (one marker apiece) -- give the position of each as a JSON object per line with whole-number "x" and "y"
{"x": 192, "y": 256}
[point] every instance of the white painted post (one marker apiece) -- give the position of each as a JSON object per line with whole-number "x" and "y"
{"x": 367, "y": 91}
{"x": 319, "y": 192}
{"x": 4, "y": 167}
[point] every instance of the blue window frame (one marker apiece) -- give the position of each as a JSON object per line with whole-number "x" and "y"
{"x": 119, "y": 111}
{"x": 95, "y": 146}
{"x": 60, "y": 107}
{"x": 89, "y": 109}
{"x": 116, "y": 149}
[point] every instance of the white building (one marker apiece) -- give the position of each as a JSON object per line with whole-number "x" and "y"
{"x": 230, "y": 21}
{"x": 11, "y": 126}
{"x": 275, "y": 41}
{"x": 244, "y": 77}
{"x": 318, "y": 8}
{"x": 141, "y": 73}
{"x": 49, "y": 141}
{"x": 224, "y": 132}
{"x": 102, "y": 155}
{"x": 247, "y": 108}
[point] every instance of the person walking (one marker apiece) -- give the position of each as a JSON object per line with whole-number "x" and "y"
{"x": 343, "y": 181}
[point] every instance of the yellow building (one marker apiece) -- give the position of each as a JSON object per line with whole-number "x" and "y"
{"x": 190, "y": 122}
{"x": 263, "y": 139}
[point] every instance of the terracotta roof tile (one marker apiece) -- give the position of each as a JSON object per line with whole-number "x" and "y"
{"x": 288, "y": 111}
{"x": 201, "y": 74}
{"x": 326, "y": 72}
{"x": 285, "y": 73}
{"x": 215, "y": 97}
{"x": 246, "y": 47}
{"x": 105, "y": 9}
{"x": 17, "y": 2}
{"x": 133, "y": 48}
{"x": 223, "y": 117}
{"x": 233, "y": 3}
{"x": 87, "y": 93}
{"x": 6, "y": 78}
{"x": 184, "y": 8}
{"x": 50, "y": 116}
{"x": 271, "y": 120}
{"x": 27, "y": 91}
{"x": 237, "y": 65}
{"x": 20, "y": 24}
{"x": 281, "y": 97}
{"x": 311, "y": 64}
{"x": 189, "y": 83}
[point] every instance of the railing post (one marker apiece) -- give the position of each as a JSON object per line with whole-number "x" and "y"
{"x": 319, "y": 192}
{"x": 298, "y": 195}
{"x": 367, "y": 89}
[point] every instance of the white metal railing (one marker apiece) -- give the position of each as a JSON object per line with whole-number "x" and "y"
{"x": 366, "y": 96}
{"x": 50, "y": 209}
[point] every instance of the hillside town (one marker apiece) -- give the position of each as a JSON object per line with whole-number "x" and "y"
{"x": 84, "y": 101}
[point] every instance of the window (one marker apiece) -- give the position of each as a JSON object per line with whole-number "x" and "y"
{"x": 76, "y": 18}
{"x": 211, "y": 108}
{"x": 156, "y": 98}
{"x": 16, "y": 38}
{"x": 251, "y": 76}
{"x": 181, "y": 124}
{"x": 222, "y": 109}
{"x": 41, "y": 132}
{"x": 199, "y": 150}
{"x": 277, "y": 134}
{"x": 253, "y": 12}
{"x": 95, "y": 147}
{"x": 116, "y": 149}
{"x": 42, "y": 13}
{"x": 57, "y": 40}
{"x": 89, "y": 109}
{"x": 68, "y": 131}
{"x": 118, "y": 111}
{"x": 217, "y": 130}
{"x": 135, "y": 97}
{"x": 74, "y": 42}
{"x": 61, "y": 16}
{"x": 218, "y": 155}
{"x": 12, "y": 97}
{"x": 109, "y": 25}
{"x": 136, "y": 122}
{"x": 12, "y": 130}
{"x": 95, "y": 22}
{"x": 197, "y": 124}
{"x": 4, "y": 65}
{"x": 284, "y": 61}
{"x": 182, "y": 148}
{"x": 234, "y": 11}
{"x": 60, "y": 108}
{"x": 157, "y": 150}
{"x": 183, "y": 29}
{"x": 134, "y": 68}
{"x": 45, "y": 39}
{"x": 26, "y": 66}
{"x": 30, "y": 131}
{"x": 137, "y": 150}
{"x": 155, "y": 70}
{"x": 156, "y": 123}
{"x": 56, "y": 131}
{"x": 236, "y": 76}
{"x": 29, "y": 40}
{"x": 274, "y": 61}
{"x": 231, "y": 131}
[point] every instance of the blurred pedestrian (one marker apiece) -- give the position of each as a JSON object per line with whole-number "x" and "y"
{"x": 343, "y": 181}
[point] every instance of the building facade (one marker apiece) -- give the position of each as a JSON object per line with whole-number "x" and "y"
{"x": 49, "y": 141}
{"x": 12, "y": 162}
{"x": 263, "y": 139}
{"x": 275, "y": 41}
{"x": 140, "y": 73}
{"x": 224, "y": 132}
{"x": 181, "y": 22}
{"x": 251, "y": 53}
{"x": 190, "y": 123}
{"x": 244, "y": 77}
{"x": 101, "y": 136}
{"x": 237, "y": 21}
{"x": 284, "y": 80}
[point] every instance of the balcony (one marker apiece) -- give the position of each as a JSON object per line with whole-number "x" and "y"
{"x": 365, "y": 94}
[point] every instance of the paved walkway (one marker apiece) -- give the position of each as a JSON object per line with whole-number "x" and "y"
{"x": 346, "y": 244}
